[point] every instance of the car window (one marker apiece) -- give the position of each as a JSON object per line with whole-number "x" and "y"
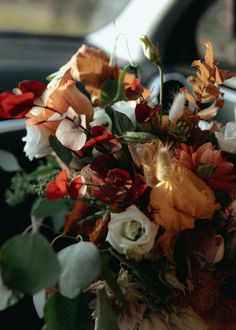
{"x": 61, "y": 17}
{"x": 218, "y": 24}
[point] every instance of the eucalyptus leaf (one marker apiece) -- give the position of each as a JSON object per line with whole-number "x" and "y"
{"x": 62, "y": 152}
{"x": 137, "y": 136}
{"x": 106, "y": 319}
{"x": 58, "y": 219}
{"x": 48, "y": 208}
{"x": 108, "y": 92}
{"x": 80, "y": 265}
{"x": 120, "y": 122}
{"x": 8, "y": 297}
{"x": 62, "y": 313}
{"x": 28, "y": 263}
{"x": 8, "y": 161}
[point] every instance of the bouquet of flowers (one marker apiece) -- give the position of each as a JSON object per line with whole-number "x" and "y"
{"x": 145, "y": 197}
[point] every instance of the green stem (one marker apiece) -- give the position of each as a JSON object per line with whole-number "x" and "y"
{"x": 161, "y": 84}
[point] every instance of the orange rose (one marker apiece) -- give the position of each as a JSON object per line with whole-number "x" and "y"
{"x": 181, "y": 199}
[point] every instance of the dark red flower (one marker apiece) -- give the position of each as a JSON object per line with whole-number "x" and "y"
{"x": 103, "y": 163}
{"x": 135, "y": 91}
{"x": 138, "y": 195}
{"x": 77, "y": 188}
{"x": 144, "y": 112}
{"x": 115, "y": 187}
{"x": 14, "y": 105}
{"x": 104, "y": 141}
{"x": 119, "y": 177}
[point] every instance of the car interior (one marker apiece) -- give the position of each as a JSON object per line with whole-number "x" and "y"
{"x": 29, "y": 54}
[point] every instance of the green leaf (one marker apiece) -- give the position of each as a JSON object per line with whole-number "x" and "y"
{"x": 80, "y": 265}
{"x": 106, "y": 319}
{"x": 62, "y": 152}
{"x": 110, "y": 277}
{"x": 62, "y": 313}
{"x": 137, "y": 136}
{"x": 8, "y": 161}
{"x": 108, "y": 92}
{"x": 48, "y": 208}
{"x": 120, "y": 122}
{"x": 28, "y": 263}
{"x": 8, "y": 297}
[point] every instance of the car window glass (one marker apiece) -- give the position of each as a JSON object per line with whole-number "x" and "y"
{"x": 61, "y": 17}
{"x": 218, "y": 25}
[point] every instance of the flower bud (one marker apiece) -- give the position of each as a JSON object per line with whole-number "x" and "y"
{"x": 150, "y": 51}
{"x": 205, "y": 170}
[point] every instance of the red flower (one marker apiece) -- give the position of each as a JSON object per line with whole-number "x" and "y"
{"x": 103, "y": 163}
{"x": 138, "y": 195}
{"x": 209, "y": 164}
{"x": 115, "y": 187}
{"x": 144, "y": 113}
{"x": 77, "y": 188}
{"x": 61, "y": 187}
{"x": 103, "y": 140}
{"x": 58, "y": 187}
{"x": 17, "y": 104}
{"x": 135, "y": 91}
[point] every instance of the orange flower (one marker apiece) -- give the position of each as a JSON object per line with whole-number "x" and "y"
{"x": 209, "y": 77}
{"x": 181, "y": 199}
{"x": 57, "y": 99}
{"x": 73, "y": 219}
{"x": 209, "y": 164}
{"x": 91, "y": 66}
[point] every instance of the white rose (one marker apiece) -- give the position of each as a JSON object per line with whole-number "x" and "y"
{"x": 131, "y": 231}
{"x": 101, "y": 118}
{"x": 127, "y": 108}
{"x": 226, "y": 137}
{"x": 37, "y": 143}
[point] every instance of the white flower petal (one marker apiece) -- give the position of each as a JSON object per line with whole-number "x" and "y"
{"x": 37, "y": 143}
{"x": 121, "y": 231}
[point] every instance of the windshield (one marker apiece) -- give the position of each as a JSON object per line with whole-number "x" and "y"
{"x": 60, "y": 17}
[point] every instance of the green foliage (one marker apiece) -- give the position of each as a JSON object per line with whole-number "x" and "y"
{"x": 48, "y": 208}
{"x": 62, "y": 152}
{"x": 106, "y": 319}
{"x": 8, "y": 161}
{"x": 20, "y": 188}
{"x": 62, "y": 313}
{"x": 113, "y": 91}
{"x": 80, "y": 264}
{"x": 28, "y": 263}
{"x": 120, "y": 122}
{"x": 109, "y": 276}
{"x": 108, "y": 92}
{"x": 181, "y": 132}
{"x": 137, "y": 137}
{"x": 8, "y": 297}
{"x": 24, "y": 185}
